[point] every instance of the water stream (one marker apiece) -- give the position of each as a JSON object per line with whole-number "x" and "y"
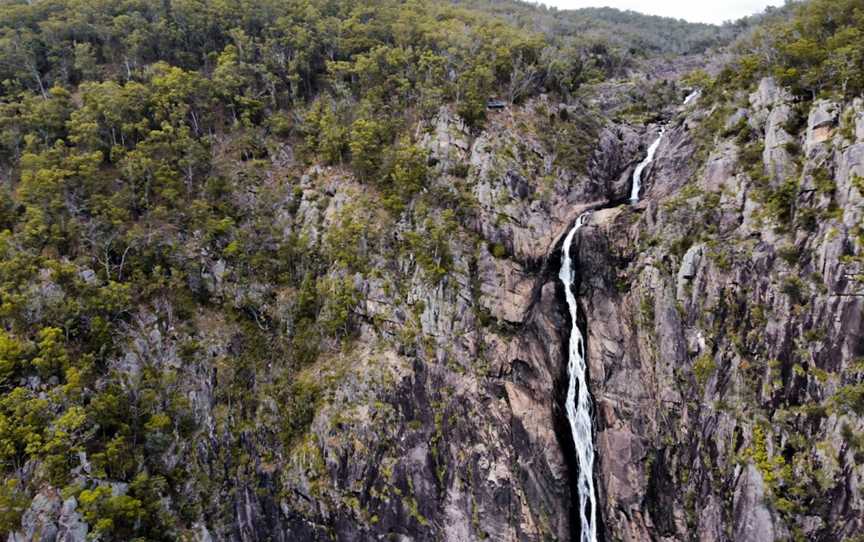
{"x": 578, "y": 400}
{"x": 637, "y": 174}
{"x": 578, "y": 404}
{"x": 692, "y": 96}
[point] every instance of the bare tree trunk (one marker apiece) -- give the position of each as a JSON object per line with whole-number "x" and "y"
{"x": 38, "y": 77}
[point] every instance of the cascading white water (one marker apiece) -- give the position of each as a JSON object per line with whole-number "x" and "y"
{"x": 578, "y": 400}
{"x": 649, "y": 157}
{"x": 637, "y": 174}
{"x": 692, "y": 96}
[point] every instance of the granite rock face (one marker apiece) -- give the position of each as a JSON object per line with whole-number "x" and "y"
{"x": 722, "y": 342}
{"x": 716, "y": 352}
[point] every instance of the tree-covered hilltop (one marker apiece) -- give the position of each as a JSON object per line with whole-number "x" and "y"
{"x": 630, "y": 33}
{"x": 816, "y": 50}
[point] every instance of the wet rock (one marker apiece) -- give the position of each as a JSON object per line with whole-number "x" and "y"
{"x": 619, "y": 149}
{"x": 671, "y": 167}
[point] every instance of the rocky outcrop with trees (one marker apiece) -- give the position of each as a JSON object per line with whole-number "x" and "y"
{"x": 273, "y": 271}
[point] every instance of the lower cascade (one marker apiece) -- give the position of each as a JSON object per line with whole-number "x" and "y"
{"x": 578, "y": 400}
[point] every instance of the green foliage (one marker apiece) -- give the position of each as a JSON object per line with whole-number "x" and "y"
{"x": 568, "y": 137}
{"x": 407, "y": 175}
{"x": 366, "y": 141}
{"x": 12, "y": 352}
{"x": 646, "y": 311}
{"x": 146, "y": 144}
{"x": 818, "y": 50}
{"x": 750, "y": 157}
{"x": 850, "y": 399}
{"x": 325, "y": 134}
{"x": 498, "y": 250}
{"x": 114, "y": 515}
{"x": 703, "y": 369}
{"x": 697, "y": 79}
{"x": 794, "y": 288}
{"x": 780, "y": 202}
{"x": 430, "y": 245}
{"x": 476, "y": 87}
{"x": 24, "y": 419}
{"x": 340, "y": 297}
{"x": 774, "y": 468}
{"x": 52, "y": 357}
{"x": 648, "y": 98}
{"x": 347, "y": 239}
{"x": 617, "y": 30}
{"x": 13, "y": 503}
{"x": 301, "y": 404}
{"x": 795, "y": 122}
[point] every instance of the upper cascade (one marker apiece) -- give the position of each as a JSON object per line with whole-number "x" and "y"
{"x": 649, "y": 157}
{"x": 637, "y": 174}
{"x": 692, "y": 96}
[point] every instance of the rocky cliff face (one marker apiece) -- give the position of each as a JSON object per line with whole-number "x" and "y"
{"x": 462, "y": 439}
{"x": 723, "y": 316}
{"x": 724, "y": 329}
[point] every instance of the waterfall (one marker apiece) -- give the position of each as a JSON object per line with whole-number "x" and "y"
{"x": 649, "y": 157}
{"x": 578, "y": 401}
{"x": 692, "y": 96}
{"x": 637, "y": 175}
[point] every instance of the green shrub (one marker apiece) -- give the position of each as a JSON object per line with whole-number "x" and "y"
{"x": 793, "y": 148}
{"x": 13, "y": 503}
{"x": 794, "y": 288}
{"x": 498, "y": 250}
{"x": 646, "y": 310}
{"x": 780, "y": 202}
{"x": 110, "y": 516}
{"x": 850, "y": 399}
{"x": 704, "y": 368}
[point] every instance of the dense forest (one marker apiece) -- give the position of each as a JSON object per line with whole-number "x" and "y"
{"x": 141, "y": 141}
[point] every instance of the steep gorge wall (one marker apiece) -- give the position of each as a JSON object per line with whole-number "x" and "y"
{"x": 440, "y": 418}
{"x": 725, "y": 333}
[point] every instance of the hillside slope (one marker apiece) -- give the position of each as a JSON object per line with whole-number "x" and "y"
{"x": 274, "y": 271}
